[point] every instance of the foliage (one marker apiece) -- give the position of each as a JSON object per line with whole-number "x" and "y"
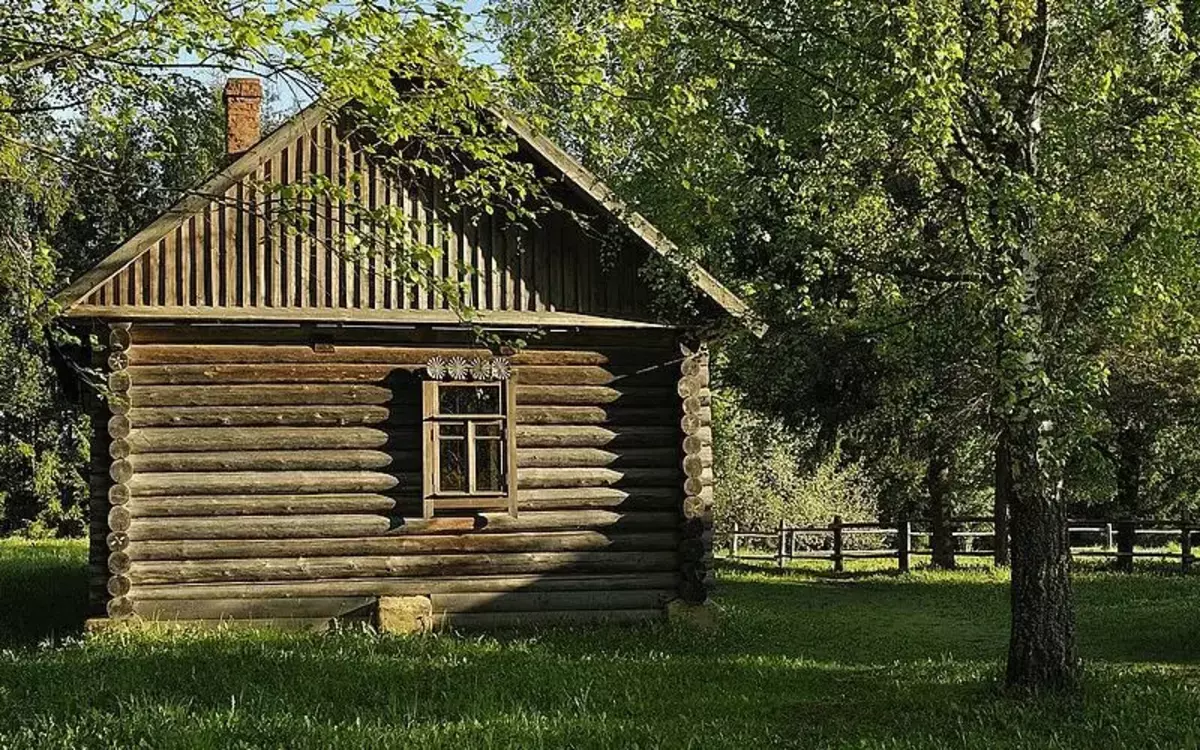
{"x": 41, "y": 448}
{"x": 1010, "y": 187}
{"x": 920, "y": 654}
{"x": 763, "y": 477}
{"x": 105, "y": 120}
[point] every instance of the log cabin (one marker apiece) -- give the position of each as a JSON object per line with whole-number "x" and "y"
{"x": 290, "y": 437}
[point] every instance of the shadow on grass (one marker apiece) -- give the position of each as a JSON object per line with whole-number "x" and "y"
{"x": 43, "y": 590}
{"x": 802, "y": 660}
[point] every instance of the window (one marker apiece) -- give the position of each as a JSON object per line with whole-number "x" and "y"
{"x": 469, "y": 454}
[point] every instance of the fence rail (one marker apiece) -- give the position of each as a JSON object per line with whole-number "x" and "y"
{"x": 1116, "y": 539}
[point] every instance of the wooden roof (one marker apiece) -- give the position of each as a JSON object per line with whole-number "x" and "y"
{"x": 202, "y": 259}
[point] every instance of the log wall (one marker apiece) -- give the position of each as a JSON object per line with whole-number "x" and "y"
{"x": 276, "y": 475}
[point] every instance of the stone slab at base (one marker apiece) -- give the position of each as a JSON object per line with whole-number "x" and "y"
{"x": 405, "y": 614}
{"x": 704, "y": 616}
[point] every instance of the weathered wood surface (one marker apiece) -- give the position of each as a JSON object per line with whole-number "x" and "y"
{"x": 189, "y": 439}
{"x": 589, "y": 436}
{"x": 597, "y": 477}
{"x": 247, "y": 465}
{"x": 409, "y": 544}
{"x": 217, "y": 609}
{"x": 267, "y": 482}
{"x": 399, "y": 586}
{"x": 224, "y": 260}
{"x": 200, "y": 571}
{"x": 274, "y": 394}
{"x": 269, "y": 416}
{"x": 294, "y": 460}
{"x": 596, "y": 415}
{"x": 563, "y": 458}
{"x": 417, "y": 356}
{"x": 347, "y": 525}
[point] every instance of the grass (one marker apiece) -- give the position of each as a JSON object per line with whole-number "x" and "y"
{"x": 804, "y": 659}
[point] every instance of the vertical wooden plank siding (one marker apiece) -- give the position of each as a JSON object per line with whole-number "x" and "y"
{"x": 237, "y": 254}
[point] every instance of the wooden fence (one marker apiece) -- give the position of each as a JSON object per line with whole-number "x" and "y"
{"x": 1113, "y": 539}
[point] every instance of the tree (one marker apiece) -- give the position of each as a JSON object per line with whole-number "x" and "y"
{"x": 1034, "y": 162}
{"x": 104, "y": 121}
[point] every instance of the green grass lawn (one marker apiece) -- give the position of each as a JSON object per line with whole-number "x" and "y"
{"x": 806, "y": 660}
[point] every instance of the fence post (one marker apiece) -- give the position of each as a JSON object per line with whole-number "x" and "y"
{"x": 1108, "y": 536}
{"x": 903, "y": 539}
{"x": 1126, "y": 533}
{"x": 837, "y": 544}
{"x": 735, "y": 541}
{"x": 781, "y": 544}
{"x": 1185, "y": 543}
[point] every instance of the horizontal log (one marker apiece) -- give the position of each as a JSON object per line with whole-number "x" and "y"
{"x": 687, "y": 387}
{"x": 119, "y": 426}
{"x": 120, "y": 471}
{"x": 249, "y": 505}
{"x": 117, "y": 585}
{"x": 119, "y": 519}
{"x": 542, "y": 601}
{"x": 246, "y": 353}
{"x": 584, "y": 436}
{"x": 119, "y": 382}
{"x": 293, "y": 460}
{"x": 408, "y": 586}
{"x": 119, "y": 562}
{"x": 218, "y": 609}
{"x": 695, "y": 464}
{"x": 274, "y": 482}
{"x": 545, "y": 541}
{"x": 697, "y": 441}
{"x": 227, "y": 374}
{"x": 590, "y": 395}
{"x": 119, "y": 607}
{"x": 522, "y": 620}
{"x": 206, "y": 354}
{"x": 560, "y": 458}
{"x": 190, "y": 439}
{"x": 626, "y": 498}
{"x": 200, "y": 571}
{"x": 120, "y": 336}
{"x": 118, "y": 494}
{"x": 251, "y": 416}
{"x": 277, "y": 333}
{"x": 595, "y": 415}
{"x": 563, "y": 478}
{"x": 333, "y": 526}
{"x": 593, "y": 375}
{"x": 300, "y": 394}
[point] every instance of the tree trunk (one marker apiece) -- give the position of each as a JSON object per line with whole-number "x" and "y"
{"x": 937, "y": 485}
{"x": 1041, "y": 654}
{"x": 1130, "y": 448}
{"x": 1002, "y": 500}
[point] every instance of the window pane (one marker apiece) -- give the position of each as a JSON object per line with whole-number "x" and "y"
{"x": 489, "y": 466}
{"x": 452, "y": 465}
{"x": 452, "y": 429}
{"x": 487, "y": 429}
{"x": 470, "y": 399}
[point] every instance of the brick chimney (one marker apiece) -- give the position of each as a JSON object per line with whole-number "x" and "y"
{"x": 243, "y": 100}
